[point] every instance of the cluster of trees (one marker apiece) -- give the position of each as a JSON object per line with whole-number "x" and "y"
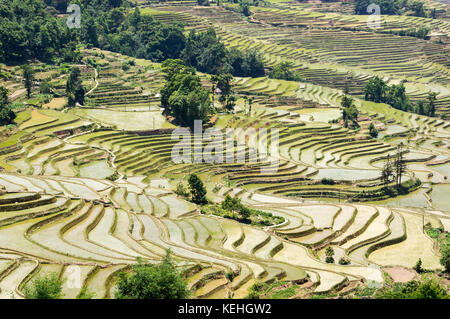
{"x": 425, "y": 289}
{"x": 74, "y": 88}
{"x": 147, "y": 281}
{"x": 197, "y": 191}
{"x": 396, "y": 7}
{"x": 183, "y": 95}
{"x": 7, "y": 115}
{"x": 50, "y": 286}
{"x": 283, "y": 71}
{"x": 377, "y": 90}
{"x": 396, "y": 169}
{"x": 208, "y": 54}
{"x": 233, "y": 204}
{"x": 349, "y": 111}
{"x": 222, "y": 85}
{"x": 144, "y": 281}
{"x": 373, "y": 131}
{"x": 30, "y": 29}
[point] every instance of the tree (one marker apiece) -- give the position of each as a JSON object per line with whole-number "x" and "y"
{"x": 344, "y": 261}
{"x": 425, "y": 289}
{"x": 45, "y": 87}
{"x": 399, "y": 164}
{"x": 420, "y": 108}
{"x": 146, "y": 281}
{"x": 181, "y": 190}
{"x": 375, "y": 90}
{"x": 396, "y": 97}
{"x": 250, "y": 101}
{"x": 329, "y": 251}
{"x": 46, "y": 287}
{"x": 234, "y": 204}
{"x": 198, "y": 191}
{"x": 431, "y": 99}
{"x": 373, "y": 131}
{"x": 349, "y": 111}
{"x": 28, "y": 77}
{"x": 387, "y": 172}
{"x": 418, "y": 266}
{"x": 445, "y": 259}
{"x": 182, "y": 95}
{"x": 223, "y": 83}
{"x": 283, "y": 71}
{"x": 74, "y": 88}
{"x": 7, "y": 115}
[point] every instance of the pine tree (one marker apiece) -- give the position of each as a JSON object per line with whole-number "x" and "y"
{"x": 28, "y": 77}
{"x": 386, "y": 173}
{"x": 198, "y": 191}
{"x": 400, "y": 166}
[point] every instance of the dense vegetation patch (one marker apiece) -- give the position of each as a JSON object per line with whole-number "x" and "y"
{"x": 232, "y": 208}
{"x": 147, "y": 281}
{"x": 378, "y": 91}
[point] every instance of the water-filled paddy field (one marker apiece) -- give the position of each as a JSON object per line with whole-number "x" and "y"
{"x": 96, "y": 169}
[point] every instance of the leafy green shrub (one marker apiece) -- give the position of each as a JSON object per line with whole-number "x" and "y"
{"x": 148, "y": 281}
{"x": 445, "y": 259}
{"x": 344, "y": 261}
{"x": 329, "y": 260}
{"x": 46, "y": 287}
{"x": 425, "y": 289}
{"x": 328, "y": 181}
{"x": 181, "y": 190}
{"x": 85, "y": 294}
{"x": 418, "y": 266}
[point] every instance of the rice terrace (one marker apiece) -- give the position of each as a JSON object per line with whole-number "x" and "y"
{"x": 259, "y": 149}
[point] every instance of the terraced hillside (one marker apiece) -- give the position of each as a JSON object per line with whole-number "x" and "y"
{"x": 86, "y": 190}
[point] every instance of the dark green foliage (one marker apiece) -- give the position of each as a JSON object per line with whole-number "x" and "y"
{"x": 387, "y": 172}
{"x": 245, "y": 9}
{"x": 393, "y": 7}
{"x": 223, "y": 83}
{"x": 373, "y": 131}
{"x": 208, "y": 54}
{"x": 28, "y": 78}
{"x": 418, "y": 266}
{"x": 425, "y": 289}
{"x": 375, "y": 90}
{"x": 148, "y": 281}
{"x": 181, "y": 190}
{"x": 399, "y": 165}
{"x": 329, "y": 260}
{"x": 198, "y": 190}
{"x": 445, "y": 259}
{"x": 329, "y": 252}
{"x": 344, "y": 261}
{"x": 328, "y": 181}
{"x": 183, "y": 95}
{"x": 74, "y": 88}
{"x": 45, "y": 87}
{"x": 232, "y": 208}
{"x": 349, "y": 111}
{"x": 283, "y": 71}
{"x": 85, "y": 294}
{"x": 28, "y": 31}
{"x": 46, "y": 287}
{"x": 396, "y": 97}
{"x": 7, "y": 115}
